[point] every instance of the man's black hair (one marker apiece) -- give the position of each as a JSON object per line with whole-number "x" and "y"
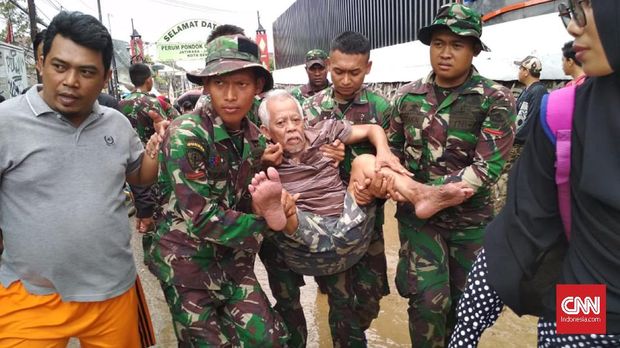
{"x": 225, "y": 29}
{"x": 139, "y": 73}
{"x": 38, "y": 38}
{"x": 351, "y": 42}
{"x": 85, "y": 30}
{"x": 569, "y": 52}
{"x": 187, "y": 105}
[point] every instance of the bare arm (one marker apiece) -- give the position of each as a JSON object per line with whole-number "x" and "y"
{"x": 376, "y": 135}
{"x": 149, "y": 166}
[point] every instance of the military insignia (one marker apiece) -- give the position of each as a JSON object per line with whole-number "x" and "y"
{"x": 196, "y": 159}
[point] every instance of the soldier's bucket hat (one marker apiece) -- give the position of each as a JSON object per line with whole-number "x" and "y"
{"x": 316, "y": 56}
{"x": 231, "y": 53}
{"x": 459, "y": 19}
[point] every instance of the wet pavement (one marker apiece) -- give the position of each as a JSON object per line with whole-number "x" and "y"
{"x": 389, "y": 330}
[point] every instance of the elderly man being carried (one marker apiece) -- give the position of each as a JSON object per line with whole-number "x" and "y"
{"x": 330, "y": 228}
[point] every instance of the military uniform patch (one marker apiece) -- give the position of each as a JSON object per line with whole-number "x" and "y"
{"x": 196, "y": 159}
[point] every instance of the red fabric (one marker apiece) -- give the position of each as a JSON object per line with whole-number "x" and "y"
{"x": 261, "y": 41}
{"x": 9, "y": 32}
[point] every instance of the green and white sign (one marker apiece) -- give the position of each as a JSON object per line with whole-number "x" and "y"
{"x": 181, "y": 51}
{"x": 180, "y": 42}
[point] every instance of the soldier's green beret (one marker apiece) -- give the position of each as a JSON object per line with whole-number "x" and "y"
{"x": 459, "y": 19}
{"x": 230, "y": 53}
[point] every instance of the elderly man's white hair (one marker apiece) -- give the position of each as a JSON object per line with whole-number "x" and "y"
{"x": 276, "y": 94}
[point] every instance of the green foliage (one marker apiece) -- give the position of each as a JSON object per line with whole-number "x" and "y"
{"x": 148, "y": 59}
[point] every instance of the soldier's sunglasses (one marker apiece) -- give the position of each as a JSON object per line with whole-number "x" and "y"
{"x": 574, "y": 11}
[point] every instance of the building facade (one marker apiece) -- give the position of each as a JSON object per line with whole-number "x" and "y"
{"x": 309, "y": 24}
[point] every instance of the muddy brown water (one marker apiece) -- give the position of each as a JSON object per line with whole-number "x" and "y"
{"x": 390, "y": 329}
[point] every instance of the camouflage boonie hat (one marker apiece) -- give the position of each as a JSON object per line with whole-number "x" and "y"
{"x": 531, "y": 64}
{"x": 459, "y": 19}
{"x": 230, "y": 53}
{"x": 316, "y": 56}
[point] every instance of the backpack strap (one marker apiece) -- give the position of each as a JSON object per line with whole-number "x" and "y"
{"x": 557, "y": 121}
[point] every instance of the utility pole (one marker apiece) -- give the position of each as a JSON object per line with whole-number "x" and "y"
{"x": 113, "y": 83}
{"x": 32, "y": 15}
{"x": 99, "y": 8}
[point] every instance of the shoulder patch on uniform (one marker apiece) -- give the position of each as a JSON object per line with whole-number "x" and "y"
{"x": 195, "y": 155}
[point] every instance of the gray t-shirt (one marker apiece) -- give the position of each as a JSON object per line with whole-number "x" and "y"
{"x": 62, "y": 208}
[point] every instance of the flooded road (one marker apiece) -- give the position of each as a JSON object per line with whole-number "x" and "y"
{"x": 389, "y": 330}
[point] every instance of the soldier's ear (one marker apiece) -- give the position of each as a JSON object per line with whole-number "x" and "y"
{"x": 260, "y": 83}
{"x": 477, "y": 49}
{"x": 368, "y": 67}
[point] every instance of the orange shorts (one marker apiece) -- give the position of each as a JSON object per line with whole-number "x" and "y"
{"x": 37, "y": 321}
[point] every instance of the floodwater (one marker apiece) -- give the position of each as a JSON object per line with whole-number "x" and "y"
{"x": 389, "y": 330}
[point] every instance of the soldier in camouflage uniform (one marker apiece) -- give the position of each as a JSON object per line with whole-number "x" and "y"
{"x": 354, "y": 294}
{"x": 316, "y": 68}
{"x": 136, "y": 106}
{"x": 207, "y": 237}
{"x": 452, "y": 126}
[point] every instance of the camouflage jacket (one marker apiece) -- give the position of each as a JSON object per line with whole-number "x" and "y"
{"x": 206, "y": 233}
{"x": 136, "y": 107}
{"x": 466, "y": 138}
{"x": 204, "y": 103}
{"x": 304, "y": 92}
{"x": 366, "y": 108}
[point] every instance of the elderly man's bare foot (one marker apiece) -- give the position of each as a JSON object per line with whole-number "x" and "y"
{"x": 437, "y": 198}
{"x": 266, "y": 190}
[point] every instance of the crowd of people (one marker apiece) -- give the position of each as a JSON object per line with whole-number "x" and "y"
{"x": 299, "y": 178}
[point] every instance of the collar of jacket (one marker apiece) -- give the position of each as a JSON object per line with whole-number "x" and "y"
{"x": 361, "y": 96}
{"x": 473, "y": 85}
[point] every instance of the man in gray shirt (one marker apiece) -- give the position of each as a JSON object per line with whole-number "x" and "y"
{"x": 68, "y": 268}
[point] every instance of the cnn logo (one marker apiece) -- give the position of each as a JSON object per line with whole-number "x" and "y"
{"x": 581, "y": 309}
{"x": 575, "y": 305}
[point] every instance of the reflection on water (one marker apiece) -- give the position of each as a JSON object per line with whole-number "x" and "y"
{"x": 389, "y": 330}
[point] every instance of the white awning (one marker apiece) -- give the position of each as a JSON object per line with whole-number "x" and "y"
{"x": 540, "y": 36}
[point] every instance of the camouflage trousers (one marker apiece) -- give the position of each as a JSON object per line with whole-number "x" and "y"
{"x": 354, "y": 295}
{"x": 237, "y": 315}
{"x": 432, "y": 269}
{"x": 500, "y": 188}
{"x": 328, "y": 245}
{"x": 285, "y": 287}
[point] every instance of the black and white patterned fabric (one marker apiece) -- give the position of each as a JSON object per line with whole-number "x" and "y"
{"x": 478, "y": 307}
{"x": 548, "y": 337}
